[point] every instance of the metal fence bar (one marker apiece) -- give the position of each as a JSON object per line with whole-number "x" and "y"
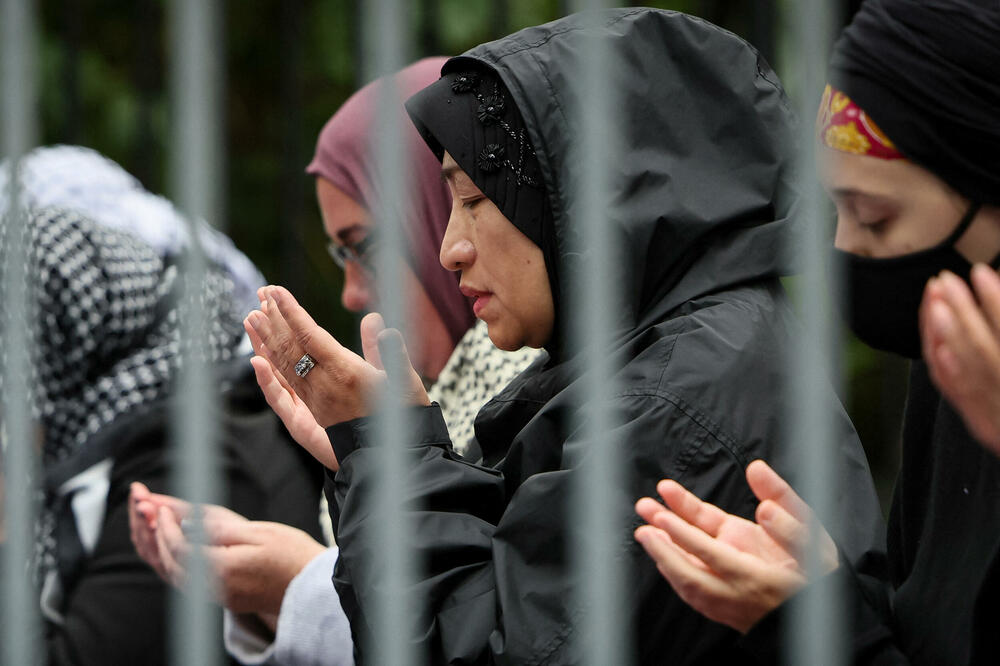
{"x": 596, "y": 491}
{"x": 194, "y": 169}
{"x": 816, "y": 631}
{"x": 385, "y": 48}
{"x": 19, "y": 617}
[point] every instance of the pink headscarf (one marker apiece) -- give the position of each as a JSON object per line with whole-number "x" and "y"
{"x": 343, "y": 157}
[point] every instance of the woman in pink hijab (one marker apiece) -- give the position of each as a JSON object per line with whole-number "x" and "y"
{"x": 344, "y": 171}
{"x": 273, "y": 579}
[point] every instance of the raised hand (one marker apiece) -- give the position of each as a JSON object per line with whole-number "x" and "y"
{"x": 294, "y": 414}
{"x": 732, "y": 570}
{"x": 961, "y": 344}
{"x": 341, "y": 384}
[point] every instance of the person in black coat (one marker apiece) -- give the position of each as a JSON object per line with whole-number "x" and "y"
{"x": 702, "y": 207}
{"x": 909, "y": 151}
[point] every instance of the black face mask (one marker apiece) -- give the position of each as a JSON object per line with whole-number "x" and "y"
{"x": 882, "y": 296}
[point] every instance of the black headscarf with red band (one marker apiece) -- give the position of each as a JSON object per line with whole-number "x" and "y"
{"x": 927, "y": 71}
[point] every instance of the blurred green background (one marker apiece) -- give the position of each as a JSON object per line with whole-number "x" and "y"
{"x": 288, "y": 66}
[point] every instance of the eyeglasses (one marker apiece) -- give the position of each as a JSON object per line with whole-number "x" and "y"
{"x": 363, "y": 252}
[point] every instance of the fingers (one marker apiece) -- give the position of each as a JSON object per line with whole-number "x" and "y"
{"x": 972, "y": 336}
{"x": 790, "y": 533}
{"x": 767, "y": 484}
{"x": 255, "y": 342}
{"x": 648, "y": 508}
{"x": 272, "y": 338}
{"x": 718, "y": 556}
{"x": 707, "y": 517}
{"x": 180, "y": 508}
{"x": 233, "y": 530}
{"x": 173, "y": 548}
{"x": 276, "y": 391}
{"x": 371, "y": 326}
{"x": 679, "y": 568}
{"x": 305, "y": 332}
{"x": 214, "y": 512}
{"x": 141, "y": 530}
{"x": 938, "y": 330}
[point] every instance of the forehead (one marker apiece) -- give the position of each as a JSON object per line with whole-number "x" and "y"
{"x": 342, "y": 215}
{"x": 842, "y": 173}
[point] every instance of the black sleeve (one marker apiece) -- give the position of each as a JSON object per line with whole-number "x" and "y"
{"x": 497, "y": 575}
{"x": 865, "y": 593}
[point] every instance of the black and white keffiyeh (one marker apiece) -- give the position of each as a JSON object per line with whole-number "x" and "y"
{"x": 104, "y": 331}
{"x": 80, "y": 179}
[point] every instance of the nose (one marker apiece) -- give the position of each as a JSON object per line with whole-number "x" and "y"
{"x": 357, "y": 293}
{"x": 457, "y": 251}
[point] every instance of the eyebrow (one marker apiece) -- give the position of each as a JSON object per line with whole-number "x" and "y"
{"x": 849, "y": 192}
{"x": 448, "y": 172}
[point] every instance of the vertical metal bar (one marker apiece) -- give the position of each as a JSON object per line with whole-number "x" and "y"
{"x": 72, "y": 20}
{"x": 596, "y": 492}
{"x": 291, "y": 148}
{"x": 816, "y": 636}
{"x": 147, "y": 21}
{"x": 386, "y": 45}
{"x": 19, "y": 617}
{"x": 763, "y": 28}
{"x": 500, "y": 18}
{"x": 194, "y": 168}
{"x": 430, "y": 28}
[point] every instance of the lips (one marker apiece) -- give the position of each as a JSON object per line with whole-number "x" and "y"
{"x": 479, "y": 298}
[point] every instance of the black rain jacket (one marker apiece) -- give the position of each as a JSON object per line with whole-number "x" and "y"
{"x": 704, "y": 207}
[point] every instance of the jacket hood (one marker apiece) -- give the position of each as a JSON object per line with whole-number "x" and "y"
{"x": 702, "y": 180}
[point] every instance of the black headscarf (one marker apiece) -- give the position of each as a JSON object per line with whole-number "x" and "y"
{"x": 702, "y": 193}
{"x": 926, "y": 70}
{"x": 469, "y": 113}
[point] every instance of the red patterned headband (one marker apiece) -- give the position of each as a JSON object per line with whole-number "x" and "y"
{"x": 843, "y": 125}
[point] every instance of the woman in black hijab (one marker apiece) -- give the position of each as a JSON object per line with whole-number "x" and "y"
{"x": 702, "y": 208}
{"x": 909, "y": 134}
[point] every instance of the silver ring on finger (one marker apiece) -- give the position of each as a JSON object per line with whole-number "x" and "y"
{"x": 305, "y": 364}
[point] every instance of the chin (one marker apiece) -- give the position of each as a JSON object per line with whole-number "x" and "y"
{"x": 504, "y": 342}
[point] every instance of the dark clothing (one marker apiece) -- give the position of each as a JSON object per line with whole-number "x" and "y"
{"x": 937, "y": 600}
{"x": 702, "y": 207}
{"x": 697, "y": 405}
{"x": 115, "y": 607}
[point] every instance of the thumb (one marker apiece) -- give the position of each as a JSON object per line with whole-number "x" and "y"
{"x": 229, "y": 532}
{"x": 398, "y": 369}
{"x": 371, "y": 326}
{"x": 767, "y": 484}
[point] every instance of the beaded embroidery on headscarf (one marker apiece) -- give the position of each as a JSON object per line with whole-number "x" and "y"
{"x": 491, "y": 112}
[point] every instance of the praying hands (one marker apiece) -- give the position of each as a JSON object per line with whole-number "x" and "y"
{"x": 310, "y": 380}
{"x": 732, "y": 570}
{"x": 961, "y": 345}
